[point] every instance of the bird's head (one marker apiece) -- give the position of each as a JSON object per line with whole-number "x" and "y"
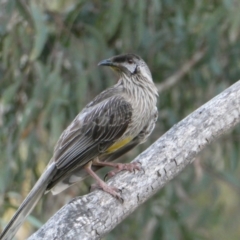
{"x": 130, "y": 64}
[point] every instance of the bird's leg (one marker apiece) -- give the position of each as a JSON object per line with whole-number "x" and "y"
{"x": 101, "y": 184}
{"x": 119, "y": 167}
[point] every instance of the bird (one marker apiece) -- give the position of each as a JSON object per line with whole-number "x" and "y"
{"x": 113, "y": 123}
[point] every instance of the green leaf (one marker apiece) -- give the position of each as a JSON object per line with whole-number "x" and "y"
{"x": 10, "y": 93}
{"x": 41, "y": 31}
{"x": 113, "y": 18}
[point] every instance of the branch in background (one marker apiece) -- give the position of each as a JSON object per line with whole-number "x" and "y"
{"x": 94, "y": 215}
{"x": 187, "y": 66}
{"x": 23, "y": 8}
{"x": 235, "y": 187}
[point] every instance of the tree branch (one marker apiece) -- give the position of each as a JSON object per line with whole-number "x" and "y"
{"x": 97, "y": 213}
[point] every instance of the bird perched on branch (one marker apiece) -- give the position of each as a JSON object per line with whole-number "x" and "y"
{"x": 116, "y": 120}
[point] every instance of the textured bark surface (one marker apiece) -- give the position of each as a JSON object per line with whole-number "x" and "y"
{"x": 93, "y": 215}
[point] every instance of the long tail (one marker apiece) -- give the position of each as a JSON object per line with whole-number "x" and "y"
{"x": 28, "y": 204}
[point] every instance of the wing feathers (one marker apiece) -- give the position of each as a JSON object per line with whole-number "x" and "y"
{"x": 93, "y": 131}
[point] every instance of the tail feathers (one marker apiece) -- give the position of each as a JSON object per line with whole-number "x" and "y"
{"x": 28, "y": 204}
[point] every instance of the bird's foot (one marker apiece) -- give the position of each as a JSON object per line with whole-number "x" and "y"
{"x": 101, "y": 184}
{"x": 131, "y": 167}
{"x": 115, "y": 192}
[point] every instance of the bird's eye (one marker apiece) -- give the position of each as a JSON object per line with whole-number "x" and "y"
{"x": 130, "y": 61}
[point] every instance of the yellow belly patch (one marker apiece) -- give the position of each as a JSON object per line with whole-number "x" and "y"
{"x": 118, "y": 145}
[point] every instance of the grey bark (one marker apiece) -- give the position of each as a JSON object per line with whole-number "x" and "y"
{"x": 97, "y": 213}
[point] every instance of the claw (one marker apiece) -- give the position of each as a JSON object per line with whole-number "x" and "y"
{"x": 101, "y": 184}
{"x": 105, "y": 177}
{"x": 131, "y": 167}
{"x": 108, "y": 189}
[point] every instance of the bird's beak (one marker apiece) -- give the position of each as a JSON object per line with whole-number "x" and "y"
{"x": 106, "y": 62}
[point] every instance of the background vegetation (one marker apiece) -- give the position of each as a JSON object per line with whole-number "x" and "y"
{"x": 49, "y": 52}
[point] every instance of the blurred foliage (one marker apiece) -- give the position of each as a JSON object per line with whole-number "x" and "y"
{"x": 49, "y": 52}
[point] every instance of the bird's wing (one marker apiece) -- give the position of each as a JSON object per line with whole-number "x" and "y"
{"x": 140, "y": 138}
{"x": 79, "y": 174}
{"x": 93, "y": 131}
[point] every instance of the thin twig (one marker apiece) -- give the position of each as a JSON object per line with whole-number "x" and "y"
{"x": 221, "y": 177}
{"x": 186, "y": 67}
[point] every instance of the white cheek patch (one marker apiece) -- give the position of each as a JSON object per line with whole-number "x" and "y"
{"x": 130, "y": 67}
{"x": 133, "y": 68}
